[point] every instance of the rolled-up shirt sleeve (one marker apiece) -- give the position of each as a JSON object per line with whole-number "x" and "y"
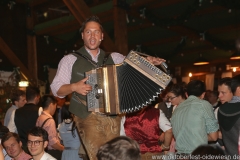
{"x": 63, "y": 75}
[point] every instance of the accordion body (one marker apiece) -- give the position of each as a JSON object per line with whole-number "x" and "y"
{"x": 125, "y": 87}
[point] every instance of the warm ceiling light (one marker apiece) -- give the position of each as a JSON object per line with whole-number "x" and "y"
{"x": 190, "y": 74}
{"x": 23, "y": 84}
{"x": 234, "y": 69}
{"x": 201, "y": 61}
{"x": 235, "y": 55}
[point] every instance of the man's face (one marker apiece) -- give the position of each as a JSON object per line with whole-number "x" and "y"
{"x": 92, "y": 36}
{"x": 212, "y": 98}
{"x": 12, "y": 147}
{"x": 225, "y": 94}
{"x": 60, "y": 101}
{"x": 21, "y": 102}
{"x": 36, "y": 145}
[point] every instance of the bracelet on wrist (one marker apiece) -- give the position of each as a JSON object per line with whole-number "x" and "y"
{"x": 164, "y": 147}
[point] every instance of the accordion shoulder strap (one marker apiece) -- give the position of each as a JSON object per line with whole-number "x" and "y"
{"x": 88, "y": 59}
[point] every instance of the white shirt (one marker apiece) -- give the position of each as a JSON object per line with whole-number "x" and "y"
{"x": 47, "y": 156}
{"x": 64, "y": 72}
{"x": 164, "y": 123}
{"x": 11, "y": 125}
{"x": 8, "y": 114}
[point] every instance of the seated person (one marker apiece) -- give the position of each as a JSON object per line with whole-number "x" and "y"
{"x": 119, "y": 148}
{"x": 144, "y": 127}
{"x": 12, "y": 144}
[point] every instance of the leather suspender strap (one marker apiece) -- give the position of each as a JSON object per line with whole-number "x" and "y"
{"x": 91, "y": 61}
{"x": 45, "y": 122}
{"x": 88, "y": 59}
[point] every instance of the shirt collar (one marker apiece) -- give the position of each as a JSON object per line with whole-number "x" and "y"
{"x": 47, "y": 114}
{"x": 93, "y": 58}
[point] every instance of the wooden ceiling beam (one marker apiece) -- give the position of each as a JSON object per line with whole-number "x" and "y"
{"x": 57, "y": 29}
{"x": 12, "y": 57}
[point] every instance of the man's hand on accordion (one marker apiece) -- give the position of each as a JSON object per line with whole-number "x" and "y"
{"x": 81, "y": 87}
{"x": 155, "y": 60}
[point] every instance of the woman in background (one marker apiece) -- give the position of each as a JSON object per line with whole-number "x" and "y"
{"x": 68, "y": 134}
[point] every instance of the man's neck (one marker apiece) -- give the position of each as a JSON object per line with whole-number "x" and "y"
{"x": 39, "y": 156}
{"x": 93, "y": 52}
{"x": 16, "y": 158}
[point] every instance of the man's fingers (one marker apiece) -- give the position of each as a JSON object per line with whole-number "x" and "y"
{"x": 85, "y": 79}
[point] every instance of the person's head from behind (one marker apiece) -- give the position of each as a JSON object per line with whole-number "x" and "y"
{"x": 213, "y": 97}
{"x": 207, "y": 94}
{"x": 12, "y": 144}
{"x": 37, "y": 141}
{"x": 224, "y": 89}
{"x": 119, "y": 148}
{"x": 235, "y": 85}
{"x": 177, "y": 94}
{"x": 92, "y": 33}
{"x": 205, "y": 151}
{"x": 18, "y": 98}
{"x": 32, "y": 95}
{"x": 196, "y": 88}
{"x": 3, "y": 131}
{"x": 49, "y": 103}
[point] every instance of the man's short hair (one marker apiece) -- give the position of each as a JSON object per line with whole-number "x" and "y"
{"x": 47, "y": 99}
{"x": 215, "y": 93}
{"x": 91, "y": 19}
{"x": 196, "y": 88}
{"x": 39, "y": 132}
{"x": 226, "y": 81}
{"x": 235, "y": 83}
{"x": 119, "y": 148}
{"x": 15, "y": 96}
{"x": 31, "y": 93}
{"x": 3, "y": 131}
{"x": 9, "y": 135}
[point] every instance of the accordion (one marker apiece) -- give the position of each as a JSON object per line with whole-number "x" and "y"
{"x": 125, "y": 87}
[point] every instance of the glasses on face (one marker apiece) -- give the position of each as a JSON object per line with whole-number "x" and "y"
{"x": 36, "y": 143}
{"x": 171, "y": 98}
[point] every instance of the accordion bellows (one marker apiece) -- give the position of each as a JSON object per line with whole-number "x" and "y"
{"x": 125, "y": 87}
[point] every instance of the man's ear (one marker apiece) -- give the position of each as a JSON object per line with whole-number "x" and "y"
{"x": 202, "y": 95}
{"x": 20, "y": 143}
{"x": 45, "y": 144}
{"x": 237, "y": 92}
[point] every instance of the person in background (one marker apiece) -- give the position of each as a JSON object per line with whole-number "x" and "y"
{"x": 229, "y": 120}
{"x": 176, "y": 95}
{"x": 213, "y": 100}
{"x": 69, "y": 135}
{"x": 193, "y": 121}
{"x": 224, "y": 89}
{"x": 24, "y": 118}
{"x": 12, "y": 144}
{"x": 144, "y": 127}
{"x": 70, "y": 79}
{"x": 4, "y": 130}
{"x": 208, "y": 151}
{"x": 57, "y": 115}
{"x": 37, "y": 142}
{"x": 45, "y": 120}
{"x": 18, "y": 99}
{"x": 119, "y": 148}
{"x": 207, "y": 93}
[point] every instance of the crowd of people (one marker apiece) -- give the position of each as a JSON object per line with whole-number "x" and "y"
{"x": 181, "y": 126}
